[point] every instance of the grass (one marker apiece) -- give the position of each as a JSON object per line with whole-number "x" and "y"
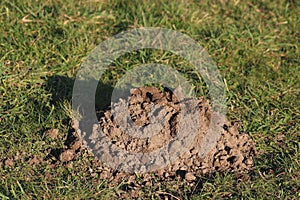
{"x": 255, "y": 44}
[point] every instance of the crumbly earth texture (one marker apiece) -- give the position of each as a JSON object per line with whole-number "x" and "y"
{"x": 233, "y": 151}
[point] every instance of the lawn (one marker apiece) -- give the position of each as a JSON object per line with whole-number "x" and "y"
{"x": 255, "y": 45}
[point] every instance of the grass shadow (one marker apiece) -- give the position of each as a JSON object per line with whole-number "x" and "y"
{"x": 61, "y": 89}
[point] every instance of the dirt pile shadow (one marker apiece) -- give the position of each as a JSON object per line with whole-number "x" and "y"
{"x": 61, "y": 89}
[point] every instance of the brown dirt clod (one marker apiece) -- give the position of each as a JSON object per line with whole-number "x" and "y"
{"x": 52, "y": 133}
{"x": 8, "y": 162}
{"x": 67, "y": 155}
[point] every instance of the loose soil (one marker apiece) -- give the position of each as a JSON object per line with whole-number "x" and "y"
{"x": 233, "y": 151}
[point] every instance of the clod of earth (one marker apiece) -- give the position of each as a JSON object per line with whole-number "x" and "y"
{"x": 67, "y": 155}
{"x": 233, "y": 151}
{"x": 52, "y": 133}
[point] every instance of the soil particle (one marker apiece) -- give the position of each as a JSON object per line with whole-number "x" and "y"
{"x": 35, "y": 160}
{"x": 67, "y": 155}
{"x": 190, "y": 177}
{"x": 52, "y": 133}
{"x": 75, "y": 145}
{"x": 8, "y": 162}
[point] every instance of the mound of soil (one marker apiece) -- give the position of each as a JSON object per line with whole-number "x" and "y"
{"x": 233, "y": 151}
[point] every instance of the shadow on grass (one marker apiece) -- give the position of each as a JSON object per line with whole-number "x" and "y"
{"x": 61, "y": 89}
